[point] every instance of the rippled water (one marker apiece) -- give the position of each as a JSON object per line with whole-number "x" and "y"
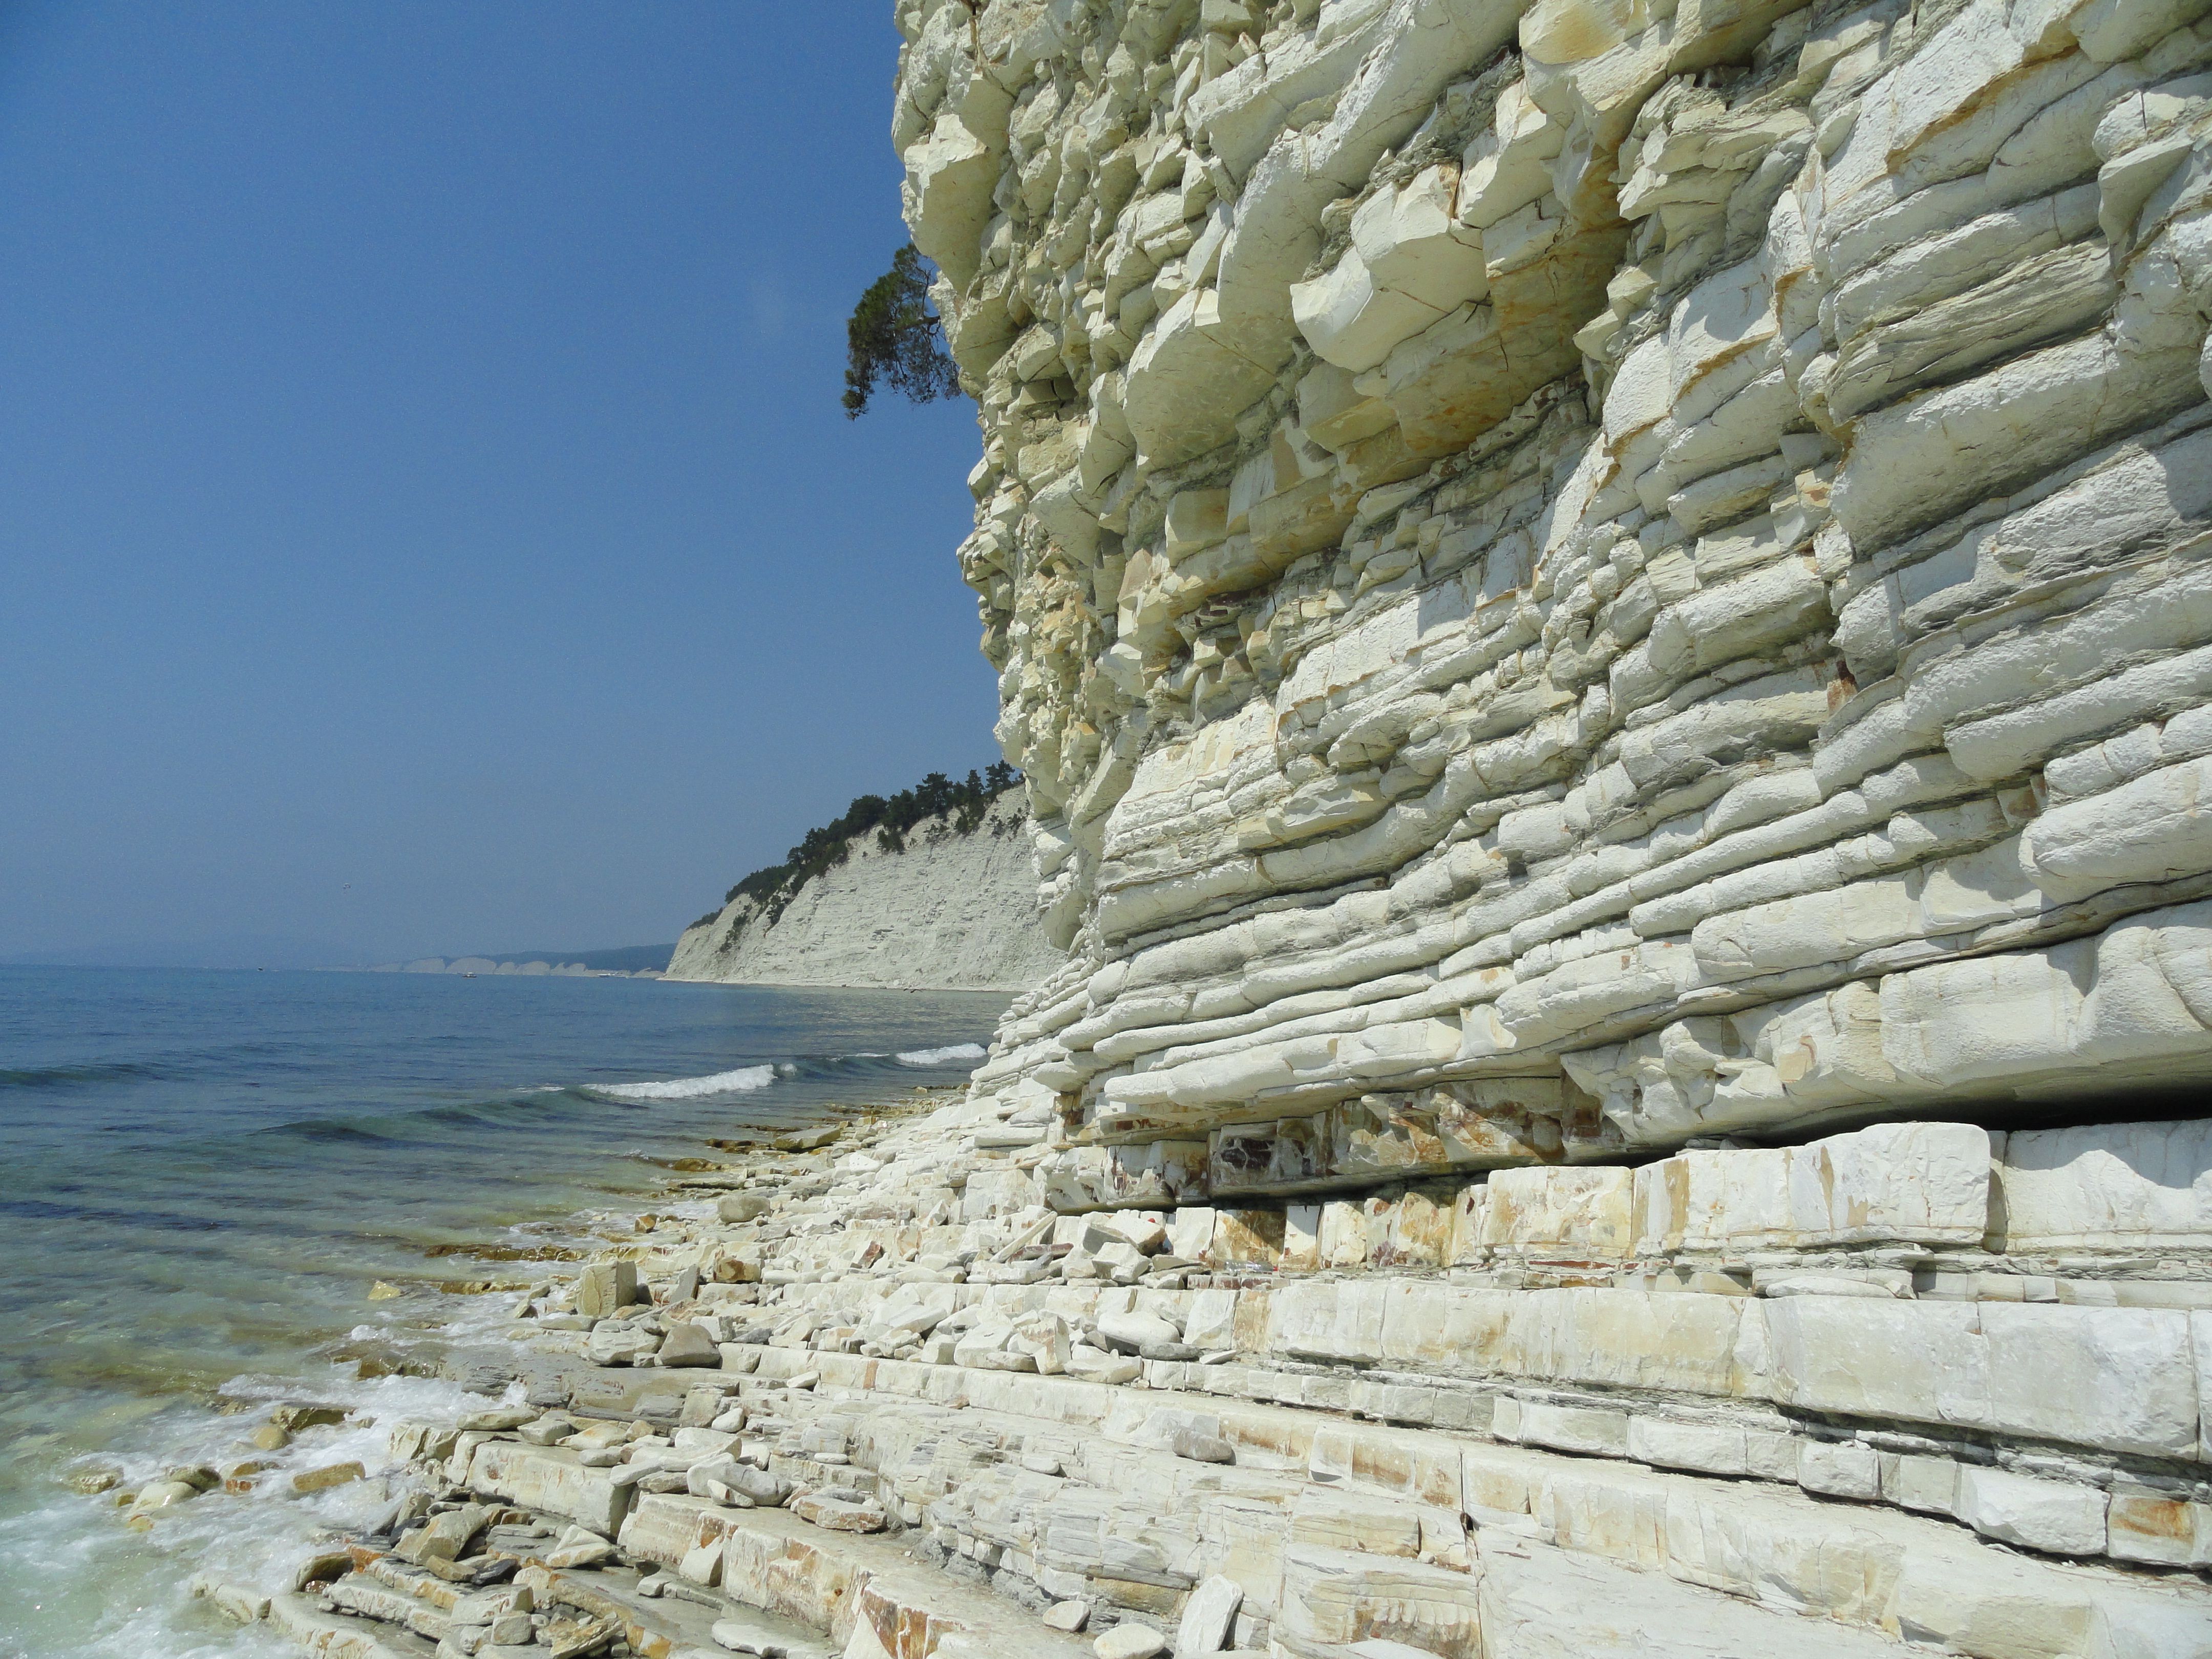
{"x": 203, "y": 1175}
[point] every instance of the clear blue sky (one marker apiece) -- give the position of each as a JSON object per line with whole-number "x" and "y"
{"x": 421, "y": 468}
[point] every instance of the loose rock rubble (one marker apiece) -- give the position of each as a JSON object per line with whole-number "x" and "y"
{"x": 1814, "y": 1400}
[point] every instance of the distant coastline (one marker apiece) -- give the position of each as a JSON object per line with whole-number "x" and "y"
{"x": 626, "y": 961}
{"x": 472, "y": 966}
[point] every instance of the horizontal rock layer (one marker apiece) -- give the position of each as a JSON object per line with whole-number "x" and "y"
{"x": 1910, "y": 1384}
{"x": 1846, "y": 1398}
{"x": 1653, "y": 553}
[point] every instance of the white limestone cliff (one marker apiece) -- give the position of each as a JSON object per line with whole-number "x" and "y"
{"x": 1581, "y": 583}
{"x": 1651, "y": 553}
{"x": 951, "y": 912}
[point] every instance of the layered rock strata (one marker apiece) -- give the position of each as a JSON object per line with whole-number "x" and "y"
{"x": 953, "y": 911}
{"x": 1647, "y": 553}
{"x": 1916, "y": 1389}
{"x": 1597, "y": 603}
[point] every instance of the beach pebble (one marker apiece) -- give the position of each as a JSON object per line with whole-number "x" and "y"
{"x": 489, "y": 1606}
{"x": 764, "y": 1488}
{"x": 270, "y": 1438}
{"x": 239, "y": 1477}
{"x": 546, "y": 1431}
{"x": 1130, "y": 1641}
{"x": 736, "y": 1207}
{"x": 92, "y": 1481}
{"x": 1069, "y": 1616}
{"x": 160, "y": 1494}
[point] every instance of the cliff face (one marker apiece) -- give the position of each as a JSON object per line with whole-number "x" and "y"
{"x": 1598, "y": 601}
{"x": 1653, "y": 552}
{"x": 953, "y": 912}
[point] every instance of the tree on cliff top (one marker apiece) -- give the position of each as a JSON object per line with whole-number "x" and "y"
{"x": 894, "y": 336}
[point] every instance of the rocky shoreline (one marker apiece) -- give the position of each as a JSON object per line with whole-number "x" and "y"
{"x": 871, "y": 1392}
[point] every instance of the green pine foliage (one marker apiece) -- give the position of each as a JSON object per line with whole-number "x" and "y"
{"x": 896, "y": 338}
{"x": 965, "y": 803}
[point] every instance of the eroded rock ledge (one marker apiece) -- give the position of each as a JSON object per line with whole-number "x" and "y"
{"x": 1652, "y": 553}
{"x": 1598, "y": 602}
{"x": 1916, "y": 1389}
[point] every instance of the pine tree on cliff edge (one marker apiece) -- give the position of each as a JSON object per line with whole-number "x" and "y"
{"x": 894, "y": 336}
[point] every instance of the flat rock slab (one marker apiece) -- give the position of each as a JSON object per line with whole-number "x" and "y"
{"x": 839, "y": 1514}
{"x": 1130, "y": 1641}
{"x": 1208, "y": 1617}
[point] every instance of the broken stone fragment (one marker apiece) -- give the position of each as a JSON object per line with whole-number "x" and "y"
{"x": 1201, "y": 1448}
{"x": 330, "y": 1475}
{"x": 689, "y": 1345}
{"x": 606, "y": 1287}
{"x": 92, "y": 1481}
{"x": 502, "y": 1420}
{"x": 294, "y": 1417}
{"x": 615, "y": 1343}
{"x": 1130, "y": 1332}
{"x": 446, "y": 1535}
{"x": 839, "y": 1510}
{"x": 1208, "y": 1617}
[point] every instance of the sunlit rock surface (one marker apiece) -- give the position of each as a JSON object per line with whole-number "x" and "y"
{"x": 1598, "y": 602}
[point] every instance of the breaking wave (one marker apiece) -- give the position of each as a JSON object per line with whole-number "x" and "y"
{"x": 957, "y": 1052}
{"x": 745, "y": 1079}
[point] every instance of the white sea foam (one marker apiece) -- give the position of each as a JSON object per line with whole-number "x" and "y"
{"x": 948, "y": 1056}
{"x": 741, "y": 1081}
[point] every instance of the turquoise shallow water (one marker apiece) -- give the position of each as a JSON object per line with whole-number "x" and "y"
{"x": 202, "y": 1174}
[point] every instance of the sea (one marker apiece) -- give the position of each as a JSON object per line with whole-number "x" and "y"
{"x": 212, "y": 1184}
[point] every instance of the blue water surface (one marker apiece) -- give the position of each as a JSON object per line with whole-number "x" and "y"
{"x": 203, "y": 1174}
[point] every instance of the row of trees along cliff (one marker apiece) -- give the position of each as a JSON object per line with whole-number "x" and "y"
{"x": 964, "y": 805}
